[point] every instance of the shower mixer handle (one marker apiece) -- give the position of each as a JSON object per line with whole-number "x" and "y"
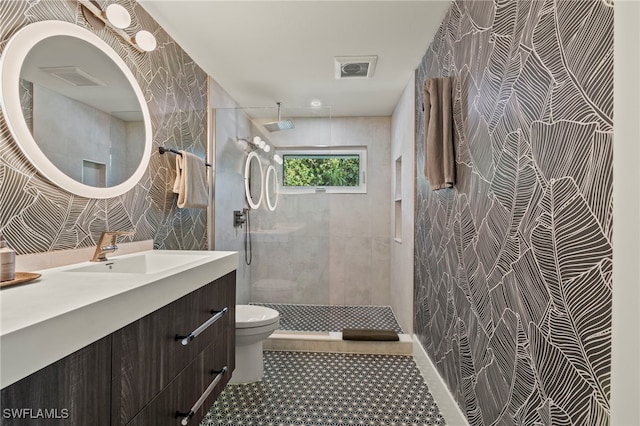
{"x": 239, "y": 218}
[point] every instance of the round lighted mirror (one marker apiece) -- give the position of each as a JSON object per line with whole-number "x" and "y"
{"x": 75, "y": 109}
{"x": 271, "y": 188}
{"x": 253, "y": 178}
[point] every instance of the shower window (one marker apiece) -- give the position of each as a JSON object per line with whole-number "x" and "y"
{"x": 332, "y": 170}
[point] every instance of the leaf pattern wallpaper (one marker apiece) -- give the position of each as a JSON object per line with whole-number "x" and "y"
{"x": 36, "y": 216}
{"x": 513, "y": 265}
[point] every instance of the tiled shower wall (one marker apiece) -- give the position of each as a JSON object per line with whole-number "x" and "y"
{"x": 323, "y": 248}
{"x": 513, "y": 265}
{"x": 402, "y": 212}
{"x": 36, "y": 216}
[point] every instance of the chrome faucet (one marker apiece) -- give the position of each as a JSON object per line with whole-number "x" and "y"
{"x": 107, "y": 244}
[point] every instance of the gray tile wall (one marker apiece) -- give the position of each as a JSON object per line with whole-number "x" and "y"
{"x": 315, "y": 248}
{"x": 513, "y": 265}
{"x": 403, "y": 190}
{"x": 36, "y": 216}
{"x": 328, "y": 248}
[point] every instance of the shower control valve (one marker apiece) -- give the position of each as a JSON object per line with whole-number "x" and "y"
{"x": 238, "y": 218}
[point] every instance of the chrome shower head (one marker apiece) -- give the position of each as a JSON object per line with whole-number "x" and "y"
{"x": 276, "y": 126}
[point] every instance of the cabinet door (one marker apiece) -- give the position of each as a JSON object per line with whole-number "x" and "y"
{"x": 139, "y": 353}
{"x": 71, "y": 391}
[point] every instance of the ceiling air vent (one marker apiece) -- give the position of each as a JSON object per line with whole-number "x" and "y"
{"x": 355, "y": 66}
{"x": 73, "y": 76}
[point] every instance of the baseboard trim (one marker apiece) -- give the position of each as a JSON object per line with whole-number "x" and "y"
{"x": 446, "y": 403}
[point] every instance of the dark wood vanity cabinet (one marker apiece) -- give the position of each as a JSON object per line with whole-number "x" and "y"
{"x": 142, "y": 374}
{"x": 72, "y": 391}
{"x": 148, "y": 355}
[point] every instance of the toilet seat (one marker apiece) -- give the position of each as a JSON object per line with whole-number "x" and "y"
{"x": 250, "y": 316}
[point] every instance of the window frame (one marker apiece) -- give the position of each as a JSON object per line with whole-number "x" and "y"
{"x": 360, "y": 151}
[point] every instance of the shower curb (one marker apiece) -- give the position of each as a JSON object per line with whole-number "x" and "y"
{"x": 309, "y": 341}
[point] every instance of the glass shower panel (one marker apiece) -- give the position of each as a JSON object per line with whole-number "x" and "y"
{"x": 291, "y": 245}
{"x": 289, "y": 248}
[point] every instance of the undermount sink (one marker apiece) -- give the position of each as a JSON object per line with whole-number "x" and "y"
{"x": 146, "y": 263}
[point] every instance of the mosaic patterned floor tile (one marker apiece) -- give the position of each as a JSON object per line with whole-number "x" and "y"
{"x": 333, "y": 318}
{"x": 304, "y": 388}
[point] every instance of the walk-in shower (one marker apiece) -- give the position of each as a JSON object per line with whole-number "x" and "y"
{"x": 317, "y": 254}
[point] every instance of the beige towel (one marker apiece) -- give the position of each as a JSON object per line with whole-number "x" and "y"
{"x": 191, "y": 182}
{"x": 439, "y": 161}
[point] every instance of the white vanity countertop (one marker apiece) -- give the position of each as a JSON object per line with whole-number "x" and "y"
{"x": 61, "y": 312}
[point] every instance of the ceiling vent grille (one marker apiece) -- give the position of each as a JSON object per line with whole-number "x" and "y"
{"x": 74, "y": 76}
{"x": 347, "y": 67}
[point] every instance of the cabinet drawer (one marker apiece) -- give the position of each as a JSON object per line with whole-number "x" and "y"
{"x": 147, "y": 354}
{"x": 197, "y": 319}
{"x": 204, "y": 378}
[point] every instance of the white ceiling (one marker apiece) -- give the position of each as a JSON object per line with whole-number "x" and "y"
{"x": 265, "y": 51}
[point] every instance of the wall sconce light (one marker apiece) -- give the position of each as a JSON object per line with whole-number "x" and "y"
{"x": 257, "y": 141}
{"x": 243, "y": 144}
{"x": 117, "y": 18}
{"x": 256, "y": 144}
{"x": 260, "y": 144}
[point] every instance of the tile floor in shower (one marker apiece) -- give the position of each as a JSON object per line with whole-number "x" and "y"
{"x": 316, "y": 388}
{"x": 333, "y": 318}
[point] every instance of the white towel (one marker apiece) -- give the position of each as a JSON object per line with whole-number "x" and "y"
{"x": 439, "y": 162}
{"x": 191, "y": 182}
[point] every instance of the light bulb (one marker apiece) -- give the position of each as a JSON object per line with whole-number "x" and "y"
{"x": 261, "y": 144}
{"x": 266, "y": 148}
{"x": 243, "y": 144}
{"x": 146, "y": 41}
{"x": 118, "y": 16}
{"x": 257, "y": 140}
{"x": 277, "y": 159}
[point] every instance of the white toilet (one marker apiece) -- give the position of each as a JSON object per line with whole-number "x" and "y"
{"x": 253, "y": 325}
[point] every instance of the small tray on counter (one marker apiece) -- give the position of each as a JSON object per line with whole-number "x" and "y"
{"x": 20, "y": 278}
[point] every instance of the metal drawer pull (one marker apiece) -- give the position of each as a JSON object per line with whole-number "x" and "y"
{"x": 185, "y": 417}
{"x": 185, "y": 340}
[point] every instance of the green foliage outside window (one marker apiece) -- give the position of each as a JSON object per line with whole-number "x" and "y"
{"x": 321, "y": 170}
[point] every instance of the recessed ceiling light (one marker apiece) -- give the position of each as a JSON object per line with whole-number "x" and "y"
{"x": 316, "y": 103}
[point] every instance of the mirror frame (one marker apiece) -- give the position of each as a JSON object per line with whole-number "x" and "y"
{"x": 247, "y": 176}
{"x": 11, "y": 62}
{"x": 271, "y": 171}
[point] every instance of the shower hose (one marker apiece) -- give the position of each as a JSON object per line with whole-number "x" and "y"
{"x": 248, "y": 252}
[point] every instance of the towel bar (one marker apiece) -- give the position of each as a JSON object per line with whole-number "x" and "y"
{"x": 162, "y": 150}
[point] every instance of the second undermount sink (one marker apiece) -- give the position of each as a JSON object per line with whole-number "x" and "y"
{"x": 145, "y": 263}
